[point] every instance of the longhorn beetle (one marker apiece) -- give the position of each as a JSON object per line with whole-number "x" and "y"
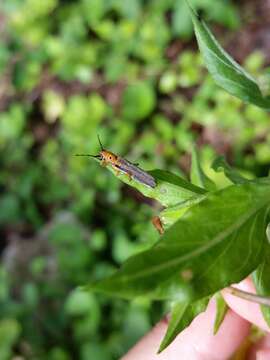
{"x": 131, "y": 170}
{"x": 122, "y": 165}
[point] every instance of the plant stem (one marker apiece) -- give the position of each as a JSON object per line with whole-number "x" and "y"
{"x": 259, "y": 299}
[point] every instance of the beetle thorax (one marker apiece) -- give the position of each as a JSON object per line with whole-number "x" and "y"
{"x": 109, "y": 157}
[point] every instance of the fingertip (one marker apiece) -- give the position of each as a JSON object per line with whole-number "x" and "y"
{"x": 246, "y": 309}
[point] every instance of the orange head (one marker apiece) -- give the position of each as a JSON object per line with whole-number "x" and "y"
{"x": 108, "y": 157}
{"x": 104, "y": 155}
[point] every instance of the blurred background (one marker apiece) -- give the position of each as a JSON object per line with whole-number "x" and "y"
{"x": 131, "y": 72}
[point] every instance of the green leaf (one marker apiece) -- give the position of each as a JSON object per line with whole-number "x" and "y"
{"x": 225, "y": 71}
{"x": 139, "y": 100}
{"x": 10, "y": 330}
{"x": 181, "y": 22}
{"x": 93, "y": 10}
{"x": 181, "y": 316}
{"x": 171, "y": 214}
{"x": 204, "y": 243}
{"x": 221, "y": 311}
{"x": 261, "y": 281}
{"x": 170, "y": 190}
{"x": 220, "y": 164}
{"x": 268, "y": 232}
{"x": 80, "y": 303}
{"x": 197, "y": 175}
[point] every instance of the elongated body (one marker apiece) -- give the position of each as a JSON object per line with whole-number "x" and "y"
{"x": 122, "y": 165}
{"x": 135, "y": 172}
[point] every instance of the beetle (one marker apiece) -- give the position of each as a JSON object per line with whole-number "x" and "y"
{"x": 122, "y": 165}
{"x": 131, "y": 170}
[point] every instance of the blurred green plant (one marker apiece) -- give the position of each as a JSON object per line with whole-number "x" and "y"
{"x": 127, "y": 71}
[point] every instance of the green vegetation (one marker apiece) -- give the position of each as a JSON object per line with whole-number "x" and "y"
{"x": 128, "y": 71}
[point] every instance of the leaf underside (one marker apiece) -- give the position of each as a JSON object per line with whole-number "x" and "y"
{"x": 199, "y": 254}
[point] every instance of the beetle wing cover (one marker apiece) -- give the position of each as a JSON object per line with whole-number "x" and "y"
{"x": 137, "y": 173}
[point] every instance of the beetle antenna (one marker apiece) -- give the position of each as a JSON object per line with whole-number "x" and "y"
{"x": 101, "y": 146}
{"x": 94, "y": 156}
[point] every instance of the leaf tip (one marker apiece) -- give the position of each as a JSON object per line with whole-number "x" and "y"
{"x": 193, "y": 11}
{"x": 162, "y": 347}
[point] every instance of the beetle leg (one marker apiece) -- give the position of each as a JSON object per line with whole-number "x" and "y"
{"x": 129, "y": 175}
{"x": 158, "y": 224}
{"x": 103, "y": 163}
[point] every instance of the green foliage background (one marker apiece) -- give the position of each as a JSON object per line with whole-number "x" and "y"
{"x": 130, "y": 72}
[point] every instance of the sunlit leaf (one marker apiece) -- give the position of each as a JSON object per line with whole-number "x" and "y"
{"x": 220, "y": 164}
{"x": 197, "y": 175}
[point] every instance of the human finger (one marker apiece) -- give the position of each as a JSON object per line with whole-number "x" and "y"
{"x": 246, "y": 309}
{"x": 197, "y": 341}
